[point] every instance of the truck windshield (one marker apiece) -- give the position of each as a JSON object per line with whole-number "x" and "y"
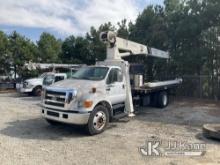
{"x": 43, "y": 75}
{"x": 48, "y": 80}
{"x": 91, "y": 73}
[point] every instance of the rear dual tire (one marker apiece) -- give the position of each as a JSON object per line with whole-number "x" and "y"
{"x": 160, "y": 99}
{"x": 163, "y": 99}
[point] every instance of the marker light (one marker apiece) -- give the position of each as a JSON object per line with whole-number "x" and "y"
{"x": 87, "y": 103}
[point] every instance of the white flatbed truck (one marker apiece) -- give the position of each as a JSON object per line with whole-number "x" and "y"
{"x": 99, "y": 93}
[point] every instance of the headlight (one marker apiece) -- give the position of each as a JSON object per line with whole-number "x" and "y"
{"x": 25, "y": 84}
{"x": 71, "y": 96}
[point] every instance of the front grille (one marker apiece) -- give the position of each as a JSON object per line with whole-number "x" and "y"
{"x": 55, "y": 98}
{"x": 58, "y": 98}
{"x": 54, "y": 104}
{"x": 56, "y": 93}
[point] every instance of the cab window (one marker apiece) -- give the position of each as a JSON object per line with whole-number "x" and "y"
{"x": 48, "y": 79}
{"x": 59, "y": 78}
{"x": 115, "y": 75}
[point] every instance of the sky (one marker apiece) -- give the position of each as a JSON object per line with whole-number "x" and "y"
{"x": 65, "y": 17}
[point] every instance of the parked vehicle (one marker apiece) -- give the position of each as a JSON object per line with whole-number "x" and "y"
{"x": 34, "y": 85}
{"x": 97, "y": 94}
{"x": 53, "y": 77}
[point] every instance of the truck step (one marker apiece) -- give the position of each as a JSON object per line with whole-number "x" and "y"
{"x": 119, "y": 116}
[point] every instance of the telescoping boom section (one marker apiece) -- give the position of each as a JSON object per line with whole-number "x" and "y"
{"x": 117, "y": 48}
{"x": 116, "y": 44}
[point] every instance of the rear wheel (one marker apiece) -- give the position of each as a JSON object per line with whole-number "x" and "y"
{"x": 163, "y": 99}
{"x": 98, "y": 120}
{"x": 37, "y": 91}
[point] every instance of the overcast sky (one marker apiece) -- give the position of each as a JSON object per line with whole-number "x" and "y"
{"x": 65, "y": 17}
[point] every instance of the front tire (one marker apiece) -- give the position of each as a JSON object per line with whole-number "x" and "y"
{"x": 98, "y": 120}
{"x": 37, "y": 91}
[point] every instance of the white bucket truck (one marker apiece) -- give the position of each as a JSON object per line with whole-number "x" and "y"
{"x": 97, "y": 94}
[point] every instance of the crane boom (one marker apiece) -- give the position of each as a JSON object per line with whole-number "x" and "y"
{"x": 116, "y": 44}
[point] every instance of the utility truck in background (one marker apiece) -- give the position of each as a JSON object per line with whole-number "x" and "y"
{"x": 34, "y": 85}
{"x": 97, "y": 94}
{"x": 54, "y": 77}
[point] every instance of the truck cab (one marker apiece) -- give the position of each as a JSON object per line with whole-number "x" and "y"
{"x": 93, "y": 91}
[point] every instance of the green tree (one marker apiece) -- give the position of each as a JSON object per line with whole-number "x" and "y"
{"x": 4, "y": 54}
{"x": 21, "y": 50}
{"x": 123, "y": 30}
{"x": 76, "y": 50}
{"x": 49, "y": 48}
{"x": 187, "y": 22}
{"x": 151, "y": 29}
{"x": 193, "y": 40}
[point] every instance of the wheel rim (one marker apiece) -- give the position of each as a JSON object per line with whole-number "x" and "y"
{"x": 164, "y": 99}
{"x": 99, "y": 120}
{"x": 38, "y": 92}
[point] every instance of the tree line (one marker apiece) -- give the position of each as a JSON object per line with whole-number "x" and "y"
{"x": 188, "y": 29}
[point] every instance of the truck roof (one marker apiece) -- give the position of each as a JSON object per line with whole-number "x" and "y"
{"x": 56, "y": 73}
{"x": 104, "y": 66}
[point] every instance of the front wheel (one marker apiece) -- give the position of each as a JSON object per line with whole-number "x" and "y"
{"x": 98, "y": 120}
{"x": 37, "y": 91}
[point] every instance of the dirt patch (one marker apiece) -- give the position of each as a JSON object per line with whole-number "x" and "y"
{"x": 26, "y": 138}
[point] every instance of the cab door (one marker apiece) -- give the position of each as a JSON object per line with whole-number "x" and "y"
{"x": 115, "y": 86}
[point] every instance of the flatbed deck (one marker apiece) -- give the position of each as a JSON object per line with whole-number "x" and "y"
{"x": 157, "y": 86}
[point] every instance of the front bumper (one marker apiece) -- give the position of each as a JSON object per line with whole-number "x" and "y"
{"x": 25, "y": 90}
{"x": 21, "y": 89}
{"x": 71, "y": 117}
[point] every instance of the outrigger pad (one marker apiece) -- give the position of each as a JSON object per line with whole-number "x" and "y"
{"x": 211, "y": 131}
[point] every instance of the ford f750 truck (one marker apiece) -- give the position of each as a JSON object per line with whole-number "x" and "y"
{"x": 97, "y": 94}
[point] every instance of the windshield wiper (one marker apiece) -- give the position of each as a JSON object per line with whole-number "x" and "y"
{"x": 83, "y": 78}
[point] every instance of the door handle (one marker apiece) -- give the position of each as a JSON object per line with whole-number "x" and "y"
{"x": 123, "y": 86}
{"x": 108, "y": 89}
{"x": 109, "y": 86}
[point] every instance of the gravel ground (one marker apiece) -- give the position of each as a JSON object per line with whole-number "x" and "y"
{"x": 26, "y": 138}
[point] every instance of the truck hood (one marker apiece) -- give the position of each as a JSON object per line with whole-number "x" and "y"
{"x": 35, "y": 80}
{"x": 83, "y": 85}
